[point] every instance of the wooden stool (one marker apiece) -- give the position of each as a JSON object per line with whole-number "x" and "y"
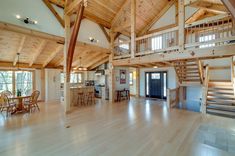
{"x": 80, "y": 99}
{"x": 90, "y": 98}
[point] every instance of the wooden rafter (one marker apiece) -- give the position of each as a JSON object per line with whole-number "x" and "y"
{"x": 100, "y": 62}
{"x": 213, "y": 7}
{"x": 37, "y": 52}
{"x": 52, "y": 55}
{"x": 104, "y": 6}
{"x": 157, "y": 17}
{"x": 59, "y": 3}
{"x": 230, "y": 5}
{"x": 60, "y": 20}
{"x": 73, "y": 6}
{"x": 198, "y": 14}
{"x": 96, "y": 19}
{"x": 21, "y": 45}
{"x": 119, "y": 13}
{"x": 105, "y": 32}
{"x": 122, "y": 27}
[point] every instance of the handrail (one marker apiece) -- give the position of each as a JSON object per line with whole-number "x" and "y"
{"x": 207, "y": 20}
{"x": 172, "y": 97}
{"x": 205, "y": 90}
{"x": 232, "y": 75}
{"x": 157, "y": 33}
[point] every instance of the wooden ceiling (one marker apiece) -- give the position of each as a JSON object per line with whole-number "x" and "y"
{"x": 44, "y": 50}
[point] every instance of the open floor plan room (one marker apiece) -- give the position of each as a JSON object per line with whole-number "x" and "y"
{"x": 117, "y": 77}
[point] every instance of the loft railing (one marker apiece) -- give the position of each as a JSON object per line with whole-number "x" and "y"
{"x": 210, "y": 32}
{"x": 158, "y": 42}
{"x": 215, "y": 31}
{"x": 122, "y": 49}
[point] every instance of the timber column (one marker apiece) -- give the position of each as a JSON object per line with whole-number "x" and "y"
{"x": 111, "y": 69}
{"x": 181, "y": 17}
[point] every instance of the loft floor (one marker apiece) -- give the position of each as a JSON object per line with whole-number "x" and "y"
{"x": 140, "y": 127}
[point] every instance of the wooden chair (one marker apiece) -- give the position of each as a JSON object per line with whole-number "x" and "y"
{"x": 32, "y": 102}
{"x": 6, "y": 105}
{"x": 90, "y": 98}
{"x": 81, "y": 99}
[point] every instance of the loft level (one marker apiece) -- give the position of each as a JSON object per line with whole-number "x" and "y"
{"x": 212, "y": 37}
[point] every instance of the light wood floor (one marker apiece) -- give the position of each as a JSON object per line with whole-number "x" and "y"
{"x": 138, "y": 128}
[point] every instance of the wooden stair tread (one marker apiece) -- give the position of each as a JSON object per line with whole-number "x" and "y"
{"x": 223, "y": 107}
{"x": 221, "y": 91}
{"x": 220, "y": 112}
{"x": 231, "y": 96}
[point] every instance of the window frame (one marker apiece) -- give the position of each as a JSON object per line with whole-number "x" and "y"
{"x": 131, "y": 80}
{"x": 13, "y": 89}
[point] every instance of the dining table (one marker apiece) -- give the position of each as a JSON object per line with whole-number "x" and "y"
{"x": 20, "y": 108}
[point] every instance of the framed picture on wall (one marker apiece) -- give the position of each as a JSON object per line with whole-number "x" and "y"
{"x": 122, "y": 76}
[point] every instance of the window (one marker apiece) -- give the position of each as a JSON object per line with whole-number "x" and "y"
{"x": 124, "y": 45}
{"x": 131, "y": 78}
{"x": 6, "y": 81}
{"x": 157, "y": 43}
{"x": 23, "y": 81}
{"x": 205, "y": 39}
{"x": 155, "y": 76}
{"x": 74, "y": 78}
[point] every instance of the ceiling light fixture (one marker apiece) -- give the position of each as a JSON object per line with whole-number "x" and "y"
{"x": 26, "y": 20}
{"x": 93, "y": 40}
{"x": 80, "y": 67}
{"x": 155, "y": 67}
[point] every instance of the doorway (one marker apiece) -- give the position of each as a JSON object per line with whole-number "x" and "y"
{"x": 156, "y": 84}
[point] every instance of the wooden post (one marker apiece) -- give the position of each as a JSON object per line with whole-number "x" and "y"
{"x": 43, "y": 84}
{"x": 111, "y": 69}
{"x": 137, "y": 82}
{"x": 182, "y": 94}
{"x": 181, "y": 24}
{"x": 133, "y": 27}
{"x": 168, "y": 98}
{"x": 66, "y": 74}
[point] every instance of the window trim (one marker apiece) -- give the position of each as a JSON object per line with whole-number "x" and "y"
{"x": 131, "y": 81}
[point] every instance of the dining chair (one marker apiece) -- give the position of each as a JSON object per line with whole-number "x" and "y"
{"x": 5, "y": 105}
{"x": 32, "y": 102}
{"x": 9, "y": 94}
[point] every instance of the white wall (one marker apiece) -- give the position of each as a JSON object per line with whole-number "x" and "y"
{"x": 119, "y": 86}
{"x": 133, "y": 87}
{"x": 169, "y": 17}
{"x": 52, "y": 87}
{"x": 171, "y": 77}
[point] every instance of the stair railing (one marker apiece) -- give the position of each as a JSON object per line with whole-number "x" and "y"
{"x": 205, "y": 90}
{"x": 200, "y": 69}
{"x": 232, "y": 75}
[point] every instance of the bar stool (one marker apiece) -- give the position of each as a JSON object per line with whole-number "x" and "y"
{"x": 80, "y": 99}
{"x": 90, "y": 98}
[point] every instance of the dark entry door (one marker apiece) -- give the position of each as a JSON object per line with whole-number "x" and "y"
{"x": 156, "y": 84}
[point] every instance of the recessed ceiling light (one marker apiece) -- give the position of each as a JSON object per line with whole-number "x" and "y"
{"x": 18, "y": 16}
{"x": 155, "y": 67}
{"x": 36, "y": 22}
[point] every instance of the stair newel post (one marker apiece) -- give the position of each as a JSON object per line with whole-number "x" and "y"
{"x": 205, "y": 90}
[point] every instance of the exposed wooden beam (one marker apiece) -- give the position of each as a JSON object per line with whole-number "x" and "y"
{"x": 230, "y": 5}
{"x": 157, "y": 17}
{"x": 52, "y": 55}
{"x": 96, "y": 19}
{"x": 59, "y": 3}
{"x": 105, "y": 32}
{"x": 119, "y": 13}
{"x": 117, "y": 35}
{"x": 120, "y": 28}
{"x": 98, "y": 63}
{"x": 73, "y": 38}
{"x": 213, "y": 52}
{"x": 37, "y": 52}
{"x": 93, "y": 59}
{"x": 197, "y": 15}
{"x": 133, "y": 28}
{"x": 59, "y": 62}
{"x": 210, "y": 6}
{"x": 71, "y": 8}
{"x": 30, "y": 32}
{"x": 21, "y": 65}
{"x": 21, "y": 45}
{"x": 60, "y": 20}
